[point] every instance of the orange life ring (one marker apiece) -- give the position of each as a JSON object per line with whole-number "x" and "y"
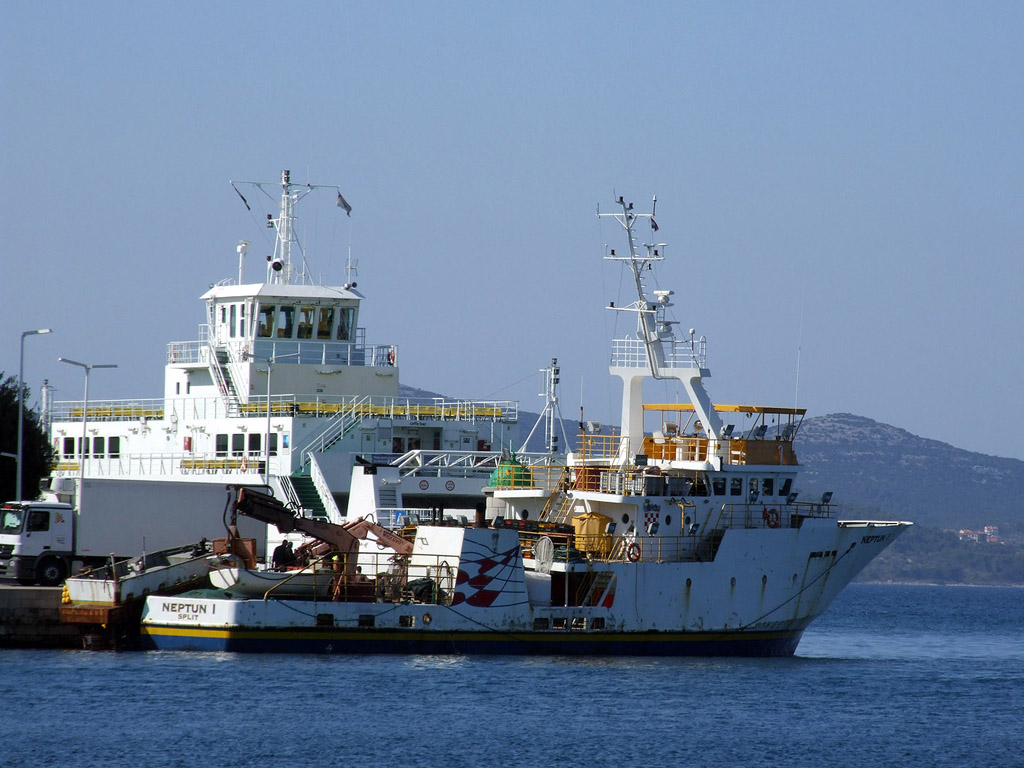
{"x": 391, "y": 357}
{"x": 771, "y": 516}
{"x": 426, "y": 618}
{"x": 633, "y": 552}
{"x": 245, "y": 465}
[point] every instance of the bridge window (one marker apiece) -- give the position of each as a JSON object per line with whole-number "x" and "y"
{"x": 97, "y": 446}
{"x": 69, "y": 446}
{"x": 346, "y": 319}
{"x": 306, "y": 315}
{"x": 736, "y": 486}
{"x": 786, "y": 485}
{"x": 285, "y": 322}
{"x": 265, "y": 322}
{"x": 768, "y": 487}
{"x": 254, "y": 442}
{"x": 325, "y": 323}
{"x": 718, "y": 485}
{"x": 241, "y": 320}
{"x": 237, "y": 444}
{"x": 222, "y": 445}
{"x": 114, "y": 447}
{"x": 234, "y": 320}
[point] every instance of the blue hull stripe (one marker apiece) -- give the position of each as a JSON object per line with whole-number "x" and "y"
{"x": 420, "y": 642}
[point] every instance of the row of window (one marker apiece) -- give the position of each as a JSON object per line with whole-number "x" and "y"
{"x": 305, "y": 322}
{"x": 97, "y": 447}
{"x": 242, "y": 444}
{"x": 728, "y": 486}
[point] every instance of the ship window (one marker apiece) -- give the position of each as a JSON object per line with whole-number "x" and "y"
{"x": 272, "y": 443}
{"x": 346, "y": 319}
{"x": 718, "y": 485}
{"x": 69, "y": 446}
{"x": 114, "y": 447}
{"x": 222, "y": 445}
{"x": 736, "y": 486}
{"x": 97, "y": 446}
{"x": 241, "y": 320}
{"x": 285, "y": 321}
{"x": 237, "y": 444}
{"x": 768, "y": 486}
{"x": 80, "y": 451}
{"x": 265, "y": 323}
{"x": 234, "y": 319}
{"x": 323, "y": 326}
{"x": 306, "y": 315}
{"x": 786, "y": 485}
{"x": 396, "y": 445}
{"x": 254, "y": 442}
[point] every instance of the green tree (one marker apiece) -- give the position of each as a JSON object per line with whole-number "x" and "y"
{"x": 37, "y": 455}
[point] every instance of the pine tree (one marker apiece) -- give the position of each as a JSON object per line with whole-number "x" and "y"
{"x": 37, "y": 456}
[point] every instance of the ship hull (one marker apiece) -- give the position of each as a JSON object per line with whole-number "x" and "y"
{"x": 426, "y": 642}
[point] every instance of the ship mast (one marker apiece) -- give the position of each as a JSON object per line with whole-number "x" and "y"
{"x": 654, "y": 352}
{"x": 279, "y": 266}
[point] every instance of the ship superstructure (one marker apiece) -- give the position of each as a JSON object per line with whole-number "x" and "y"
{"x": 282, "y": 387}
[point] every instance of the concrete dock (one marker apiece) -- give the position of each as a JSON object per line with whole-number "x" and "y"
{"x": 30, "y": 618}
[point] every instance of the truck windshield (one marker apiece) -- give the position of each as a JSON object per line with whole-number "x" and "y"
{"x": 11, "y": 519}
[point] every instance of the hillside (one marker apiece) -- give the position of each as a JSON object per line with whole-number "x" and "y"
{"x": 884, "y": 470}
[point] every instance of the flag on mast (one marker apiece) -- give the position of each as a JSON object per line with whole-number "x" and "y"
{"x": 343, "y": 203}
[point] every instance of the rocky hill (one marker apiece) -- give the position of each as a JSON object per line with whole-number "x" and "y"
{"x": 887, "y": 471}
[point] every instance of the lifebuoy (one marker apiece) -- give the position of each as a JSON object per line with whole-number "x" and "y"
{"x": 771, "y": 516}
{"x": 633, "y": 552}
{"x": 391, "y": 357}
{"x": 426, "y": 618}
{"x": 245, "y": 465}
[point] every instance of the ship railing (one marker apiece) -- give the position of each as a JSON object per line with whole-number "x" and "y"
{"x": 633, "y": 353}
{"x": 108, "y": 410}
{"x": 375, "y": 577}
{"x": 247, "y": 464}
{"x": 777, "y": 452}
{"x": 766, "y": 514}
{"x": 575, "y": 548}
{"x": 419, "y": 463}
{"x": 422, "y": 463}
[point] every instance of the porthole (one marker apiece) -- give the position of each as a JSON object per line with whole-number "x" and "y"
{"x": 625, "y": 518}
{"x": 524, "y": 514}
{"x": 668, "y": 519}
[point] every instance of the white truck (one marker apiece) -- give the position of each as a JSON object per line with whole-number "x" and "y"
{"x": 45, "y": 541}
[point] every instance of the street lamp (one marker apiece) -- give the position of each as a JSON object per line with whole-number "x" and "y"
{"x": 21, "y": 414}
{"x": 85, "y": 413}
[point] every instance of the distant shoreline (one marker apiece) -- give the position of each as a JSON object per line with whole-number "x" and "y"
{"x": 937, "y": 584}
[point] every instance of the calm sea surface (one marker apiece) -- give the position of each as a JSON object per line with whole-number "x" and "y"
{"x": 890, "y": 676}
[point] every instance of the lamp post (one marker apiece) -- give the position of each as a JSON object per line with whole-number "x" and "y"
{"x": 21, "y": 407}
{"x": 85, "y": 423}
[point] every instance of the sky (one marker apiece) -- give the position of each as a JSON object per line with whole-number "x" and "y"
{"x": 840, "y": 185}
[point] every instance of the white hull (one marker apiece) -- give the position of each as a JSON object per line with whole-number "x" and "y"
{"x": 757, "y": 596}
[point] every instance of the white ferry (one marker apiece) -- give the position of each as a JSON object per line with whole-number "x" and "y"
{"x": 282, "y": 388}
{"x": 685, "y": 538}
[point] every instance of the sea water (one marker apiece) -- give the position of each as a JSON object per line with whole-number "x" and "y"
{"x": 889, "y": 676}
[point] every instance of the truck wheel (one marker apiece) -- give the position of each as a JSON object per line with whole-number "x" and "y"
{"x": 51, "y": 572}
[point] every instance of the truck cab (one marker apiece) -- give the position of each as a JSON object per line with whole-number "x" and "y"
{"x": 36, "y": 539}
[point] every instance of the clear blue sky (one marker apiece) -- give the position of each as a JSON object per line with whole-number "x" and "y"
{"x": 856, "y": 165}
